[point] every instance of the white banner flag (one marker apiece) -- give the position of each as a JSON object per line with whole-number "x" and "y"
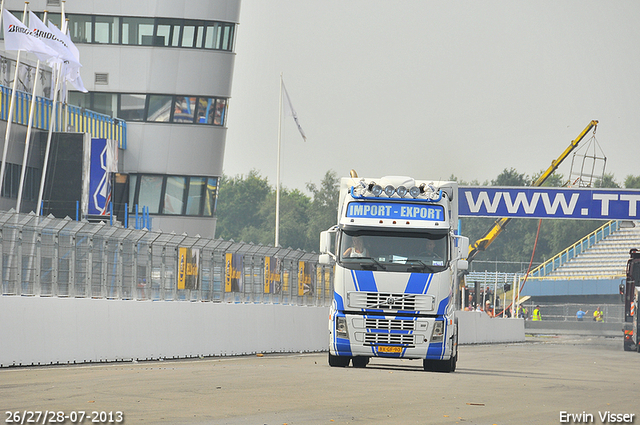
{"x": 288, "y": 110}
{"x": 72, "y": 73}
{"x": 18, "y": 37}
{"x": 40, "y": 30}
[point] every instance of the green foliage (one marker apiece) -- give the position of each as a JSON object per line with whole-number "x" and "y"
{"x": 632, "y": 182}
{"x": 247, "y": 204}
{"x": 511, "y": 178}
{"x": 607, "y": 181}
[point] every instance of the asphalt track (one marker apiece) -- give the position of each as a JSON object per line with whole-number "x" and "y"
{"x": 524, "y": 383}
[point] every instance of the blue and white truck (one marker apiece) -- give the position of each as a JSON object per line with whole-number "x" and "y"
{"x": 397, "y": 256}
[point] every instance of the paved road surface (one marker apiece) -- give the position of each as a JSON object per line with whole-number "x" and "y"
{"x": 526, "y": 383}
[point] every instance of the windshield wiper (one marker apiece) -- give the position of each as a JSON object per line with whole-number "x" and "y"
{"x": 422, "y": 263}
{"x": 373, "y": 260}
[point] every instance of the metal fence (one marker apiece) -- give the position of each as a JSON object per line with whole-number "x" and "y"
{"x": 45, "y": 256}
{"x": 611, "y": 313}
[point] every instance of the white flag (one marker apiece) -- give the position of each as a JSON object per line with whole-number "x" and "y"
{"x": 40, "y": 30}
{"x": 288, "y": 110}
{"x": 18, "y": 37}
{"x": 72, "y": 73}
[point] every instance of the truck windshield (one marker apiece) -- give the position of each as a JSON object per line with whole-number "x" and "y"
{"x": 415, "y": 252}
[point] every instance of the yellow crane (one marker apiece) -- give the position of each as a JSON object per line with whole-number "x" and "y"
{"x": 484, "y": 242}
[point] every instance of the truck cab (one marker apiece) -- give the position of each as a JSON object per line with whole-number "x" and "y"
{"x": 397, "y": 255}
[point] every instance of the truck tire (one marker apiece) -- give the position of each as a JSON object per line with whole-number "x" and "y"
{"x": 338, "y": 361}
{"x": 360, "y": 361}
{"x": 628, "y": 345}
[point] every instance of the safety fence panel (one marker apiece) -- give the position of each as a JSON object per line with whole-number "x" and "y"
{"x": 45, "y": 256}
{"x": 611, "y": 313}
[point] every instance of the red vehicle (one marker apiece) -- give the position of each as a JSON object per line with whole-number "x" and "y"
{"x": 631, "y": 289}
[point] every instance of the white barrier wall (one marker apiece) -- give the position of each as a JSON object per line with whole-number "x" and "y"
{"x": 38, "y": 330}
{"x": 475, "y": 327}
{"x": 42, "y": 330}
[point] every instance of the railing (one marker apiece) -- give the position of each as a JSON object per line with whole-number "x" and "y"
{"x": 611, "y": 313}
{"x": 79, "y": 119}
{"x": 574, "y": 250}
{"x": 491, "y": 280}
{"x": 49, "y": 257}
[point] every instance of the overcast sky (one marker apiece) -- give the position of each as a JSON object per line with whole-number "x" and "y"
{"x": 433, "y": 88}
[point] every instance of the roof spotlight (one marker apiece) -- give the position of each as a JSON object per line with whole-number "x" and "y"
{"x": 401, "y": 191}
{"x": 389, "y": 191}
{"x": 370, "y": 186}
{"x": 414, "y": 191}
{"x": 376, "y": 190}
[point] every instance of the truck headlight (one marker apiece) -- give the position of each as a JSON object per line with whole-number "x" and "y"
{"x": 341, "y": 327}
{"x": 437, "y": 334}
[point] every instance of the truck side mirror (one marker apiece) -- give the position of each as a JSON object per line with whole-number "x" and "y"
{"x": 324, "y": 259}
{"x": 325, "y": 242}
{"x": 462, "y": 243}
{"x": 463, "y": 265}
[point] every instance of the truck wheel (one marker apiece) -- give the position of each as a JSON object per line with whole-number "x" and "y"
{"x": 360, "y": 361}
{"x": 628, "y": 345}
{"x": 338, "y": 361}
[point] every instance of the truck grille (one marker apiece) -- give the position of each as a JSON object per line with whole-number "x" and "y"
{"x": 388, "y": 324}
{"x": 393, "y": 339}
{"x": 390, "y": 301}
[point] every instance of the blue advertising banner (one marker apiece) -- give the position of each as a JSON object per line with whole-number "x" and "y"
{"x": 395, "y": 210}
{"x": 544, "y": 202}
{"x": 102, "y": 164}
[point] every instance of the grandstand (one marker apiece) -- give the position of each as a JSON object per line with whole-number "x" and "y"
{"x": 605, "y": 257}
{"x": 593, "y": 266}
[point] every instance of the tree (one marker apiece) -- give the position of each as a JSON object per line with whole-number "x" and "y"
{"x": 324, "y": 207}
{"x": 607, "y": 181}
{"x": 246, "y": 211}
{"x": 511, "y": 178}
{"x": 239, "y": 204}
{"x": 632, "y": 182}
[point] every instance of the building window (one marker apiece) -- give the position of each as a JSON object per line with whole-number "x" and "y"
{"x": 150, "y": 193}
{"x": 184, "y": 109}
{"x": 210, "y": 197}
{"x": 173, "y": 195}
{"x": 80, "y": 29}
{"x": 107, "y": 29}
{"x": 159, "y": 108}
{"x": 196, "y": 193}
{"x": 138, "y": 31}
{"x": 131, "y": 107}
{"x": 168, "y": 32}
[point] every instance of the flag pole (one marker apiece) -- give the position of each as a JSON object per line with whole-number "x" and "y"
{"x": 48, "y": 149}
{"x": 1, "y": 10}
{"x": 27, "y": 140}
{"x": 277, "y": 243}
{"x": 52, "y": 121}
{"x": 14, "y": 87}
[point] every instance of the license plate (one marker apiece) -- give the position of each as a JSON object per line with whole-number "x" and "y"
{"x": 386, "y": 349}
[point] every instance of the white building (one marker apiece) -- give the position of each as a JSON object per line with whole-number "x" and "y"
{"x": 165, "y": 67}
